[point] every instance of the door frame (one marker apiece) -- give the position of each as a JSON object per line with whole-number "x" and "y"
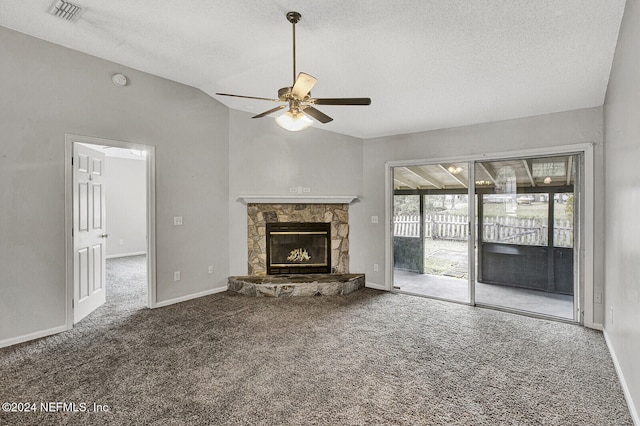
{"x": 69, "y": 140}
{"x": 584, "y": 238}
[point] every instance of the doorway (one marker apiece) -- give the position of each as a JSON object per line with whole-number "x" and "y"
{"x": 118, "y": 224}
{"x": 501, "y": 233}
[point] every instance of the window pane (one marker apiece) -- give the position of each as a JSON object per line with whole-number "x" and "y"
{"x": 406, "y": 216}
{"x": 516, "y": 218}
{"x": 563, "y": 218}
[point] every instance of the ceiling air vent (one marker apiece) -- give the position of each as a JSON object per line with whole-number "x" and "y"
{"x": 65, "y": 10}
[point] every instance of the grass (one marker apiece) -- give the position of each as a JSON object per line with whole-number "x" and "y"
{"x": 437, "y": 266}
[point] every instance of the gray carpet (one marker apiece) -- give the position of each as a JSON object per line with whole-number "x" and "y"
{"x": 366, "y": 358}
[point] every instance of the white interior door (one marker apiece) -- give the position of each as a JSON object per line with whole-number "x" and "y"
{"x": 89, "y": 231}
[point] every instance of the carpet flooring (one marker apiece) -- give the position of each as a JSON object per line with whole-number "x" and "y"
{"x": 367, "y": 358}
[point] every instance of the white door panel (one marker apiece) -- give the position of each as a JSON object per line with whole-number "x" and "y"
{"x": 89, "y": 231}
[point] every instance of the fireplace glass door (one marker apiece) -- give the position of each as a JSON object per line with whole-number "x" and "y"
{"x": 298, "y": 248}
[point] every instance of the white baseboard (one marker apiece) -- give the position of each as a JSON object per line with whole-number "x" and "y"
{"x": 135, "y": 253}
{"x": 190, "y": 296}
{"x": 375, "y": 286}
{"x": 594, "y": 326}
{"x": 623, "y": 382}
{"x": 32, "y": 336}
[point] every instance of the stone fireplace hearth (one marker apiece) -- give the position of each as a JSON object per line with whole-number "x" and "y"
{"x": 259, "y": 214}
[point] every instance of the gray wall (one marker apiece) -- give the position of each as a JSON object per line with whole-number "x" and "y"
{"x": 266, "y": 160}
{"x": 622, "y": 195}
{"x": 125, "y": 182}
{"x": 550, "y": 130}
{"x": 47, "y": 91}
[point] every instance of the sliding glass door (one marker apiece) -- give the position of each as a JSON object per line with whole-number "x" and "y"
{"x": 431, "y": 230}
{"x": 524, "y": 240}
{"x": 521, "y": 217}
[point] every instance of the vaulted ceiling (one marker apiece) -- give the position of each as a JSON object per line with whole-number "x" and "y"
{"x": 426, "y": 64}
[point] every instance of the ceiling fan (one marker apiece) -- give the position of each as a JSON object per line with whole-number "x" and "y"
{"x": 298, "y": 97}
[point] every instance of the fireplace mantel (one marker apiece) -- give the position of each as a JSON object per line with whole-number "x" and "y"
{"x": 298, "y": 199}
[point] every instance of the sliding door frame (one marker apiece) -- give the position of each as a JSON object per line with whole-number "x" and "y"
{"x": 583, "y": 238}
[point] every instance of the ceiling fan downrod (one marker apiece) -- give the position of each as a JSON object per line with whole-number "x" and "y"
{"x": 294, "y": 18}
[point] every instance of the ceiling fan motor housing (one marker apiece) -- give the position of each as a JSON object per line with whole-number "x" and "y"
{"x": 285, "y": 95}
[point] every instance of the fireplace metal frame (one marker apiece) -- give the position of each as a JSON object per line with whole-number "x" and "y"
{"x": 321, "y": 228}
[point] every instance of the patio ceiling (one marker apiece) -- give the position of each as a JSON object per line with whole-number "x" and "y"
{"x": 528, "y": 173}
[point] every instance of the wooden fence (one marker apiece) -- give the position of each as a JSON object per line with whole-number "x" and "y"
{"x": 499, "y": 229}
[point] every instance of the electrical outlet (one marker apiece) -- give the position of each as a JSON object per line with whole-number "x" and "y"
{"x": 597, "y": 298}
{"x": 176, "y": 276}
{"x": 293, "y": 189}
{"x": 211, "y": 269}
{"x": 306, "y": 189}
{"x": 375, "y": 267}
{"x": 177, "y": 220}
{"x": 374, "y": 219}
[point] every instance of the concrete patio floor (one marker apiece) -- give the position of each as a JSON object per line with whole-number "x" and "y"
{"x": 456, "y": 289}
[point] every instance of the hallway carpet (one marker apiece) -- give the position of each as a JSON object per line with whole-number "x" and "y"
{"x": 367, "y": 358}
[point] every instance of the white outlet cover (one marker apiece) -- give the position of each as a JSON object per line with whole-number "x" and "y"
{"x": 176, "y": 276}
{"x": 177, "y": 220}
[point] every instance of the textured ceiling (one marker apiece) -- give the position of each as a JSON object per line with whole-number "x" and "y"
{"x": 426, "y": 64}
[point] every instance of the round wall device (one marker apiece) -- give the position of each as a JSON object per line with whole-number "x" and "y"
{"x": 119, "y": 80}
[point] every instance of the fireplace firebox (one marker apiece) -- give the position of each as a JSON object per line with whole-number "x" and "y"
{"x": 298, "y": 248}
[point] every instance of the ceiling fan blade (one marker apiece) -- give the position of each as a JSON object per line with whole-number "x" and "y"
{"x": 272, "y": 110}
{"x": 341, "y": 101}
{"x": 303, "y": 85}
{"x": 318, "y": 115}
{"x": 249, "y": 97}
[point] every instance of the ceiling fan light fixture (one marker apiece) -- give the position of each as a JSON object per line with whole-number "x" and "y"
{"x": 298, "y": 96}
{"x": 293, "y": 121}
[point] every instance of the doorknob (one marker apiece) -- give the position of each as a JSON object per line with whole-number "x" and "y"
{"x": 104, "y": 235}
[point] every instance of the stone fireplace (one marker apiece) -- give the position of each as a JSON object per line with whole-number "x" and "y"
{"x": 334, "y": 216}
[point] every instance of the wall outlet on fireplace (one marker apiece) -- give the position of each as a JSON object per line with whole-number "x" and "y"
{"x": 211, "y": 269}
{"x": 375, "y": 267}
{"x": 293, "y": 189}
{"x": 176, "y": 276}
{"x": 306, "y": 189}
{"x": 374, "y": 219}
